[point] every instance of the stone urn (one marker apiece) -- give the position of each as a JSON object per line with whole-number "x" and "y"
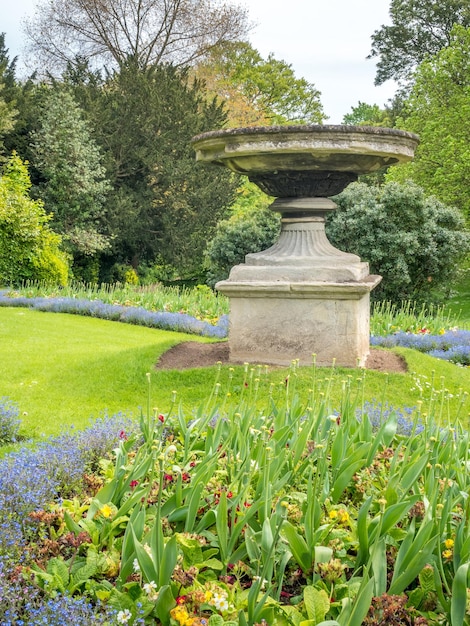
{"x": 302, "y": 297}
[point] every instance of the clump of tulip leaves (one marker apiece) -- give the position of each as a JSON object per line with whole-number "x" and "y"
{"x": 294, "y": 514}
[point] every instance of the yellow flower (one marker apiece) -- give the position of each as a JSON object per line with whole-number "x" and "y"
{"x": 181, "y": 615}
{"x": 106, "y": 510}
{"x": 207, "y": 595}
{"x": 341, "y": 516}
{"x": 449, "y": 543}
{"x": 447, "y": 554}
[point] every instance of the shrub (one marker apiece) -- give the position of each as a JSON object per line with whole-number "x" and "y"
{"x": 238, "y": 236}
{"x": 415, "y": 243}
{"x": 28, "y": 248}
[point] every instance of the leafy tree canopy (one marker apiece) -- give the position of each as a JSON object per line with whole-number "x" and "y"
{"x": 438, "y": 110}
{"x": 367, "y": 115}
{"x": 7, "y": 111}
{"x": 259, "y": 91}
{"x": 111, "y": 32}
{"x": 162, "y": 203}
{"x": 419, "y": 29}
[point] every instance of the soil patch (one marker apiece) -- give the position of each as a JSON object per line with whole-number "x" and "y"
{"x": 190, "y": 354}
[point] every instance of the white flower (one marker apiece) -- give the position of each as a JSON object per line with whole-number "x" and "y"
{"x": 219, "y": 601}
{"x": 264, "y": 582}
{"x": 136, "y": 565}
{"x": 151, "y": 590}
{"x": 124, "y": 616}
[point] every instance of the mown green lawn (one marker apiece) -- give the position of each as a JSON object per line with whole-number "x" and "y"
{"x": 63, "y": 370}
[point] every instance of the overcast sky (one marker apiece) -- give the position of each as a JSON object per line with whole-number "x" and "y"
{"x": 325, "y": 41}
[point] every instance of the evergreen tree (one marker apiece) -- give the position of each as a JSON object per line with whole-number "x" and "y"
{"x": 163, "y": 205}
{"x": 73, "y": 184}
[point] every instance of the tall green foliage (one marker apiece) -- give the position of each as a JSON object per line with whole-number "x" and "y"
{"x": 7, "y": 111}
{"x": 415, "y": 243}
{"x": 248, "y": 230}
{"x": 257, "y": 90}
{"x": 438, "y": 110}
{"x": 73, "y": 184}
{"x": 163, "y": 204}
{"x": 28, "y": 247}
{"x": 419, "y": 30}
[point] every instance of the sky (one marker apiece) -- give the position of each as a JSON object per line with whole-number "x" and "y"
{"x": 325, "y": 42}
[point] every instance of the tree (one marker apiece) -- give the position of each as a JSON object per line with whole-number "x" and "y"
{"x": 147, "y": 31}
{"x": 367, "y": 115}
{"x": 73, "y": 186}
{"x": 7, "y": 111}
{"x": 420, "y": 28}
{"x": 163, "y": 205}
{"x": 438, "y": 110}
{"x": 415, "y": 243}
{"x": 29, "y": 249}
{"x": 257, "y": 90}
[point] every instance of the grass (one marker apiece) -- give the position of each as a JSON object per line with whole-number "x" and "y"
{"x": 459, "y": 304}
{"x": 64, "y": 369}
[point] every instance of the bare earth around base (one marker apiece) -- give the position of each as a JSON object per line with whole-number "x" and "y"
{"x": 190, "y": 354}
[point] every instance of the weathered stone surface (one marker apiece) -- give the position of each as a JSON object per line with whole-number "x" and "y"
{"x": 302, "y": 296}
{"x": 260, "y": 150}
{"x": 277, "y": 322}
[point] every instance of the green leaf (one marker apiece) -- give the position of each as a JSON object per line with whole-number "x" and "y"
{"x": 413, "y": 568}
{"x": 168, "y": 562}
{"x": 222, "y": 526}
{"x": 193, "y": 507}
{"x": 71, "y": 524}
{"x": 322, "y": 554}
{"x": 362, "y": 531}
{"x": 57, "y": 568}
{"x": 164, "y": 604}
{"x": 410, "y": 477}
{"x": 317, "y": 603}
{"x": 379, "y": 566}
{"x": 458, "y": 603}
{"x": 361, "y": 603}
{"x": 298, "y": 546}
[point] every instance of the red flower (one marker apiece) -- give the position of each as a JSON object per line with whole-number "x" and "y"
{"x": 180, "y": 599}
{"x": 186, "y": 477}
{"x": 122, "y": 434}
{"x": 133, "y": 484}
{"x": 168, "y": 477}
{"x": 229, "y": 494}
{"x": 161, "y": 417}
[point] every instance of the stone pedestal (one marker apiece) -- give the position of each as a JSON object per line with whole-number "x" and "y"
{"x": 300, "y": 297}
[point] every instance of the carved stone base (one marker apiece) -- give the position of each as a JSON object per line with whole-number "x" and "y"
{"x": 278, "y": 322}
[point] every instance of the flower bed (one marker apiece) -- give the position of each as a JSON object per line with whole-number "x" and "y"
{"x": 295, "y": 514}
{"x": 452, "y": 345}
{"x": 180, "y": 322}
